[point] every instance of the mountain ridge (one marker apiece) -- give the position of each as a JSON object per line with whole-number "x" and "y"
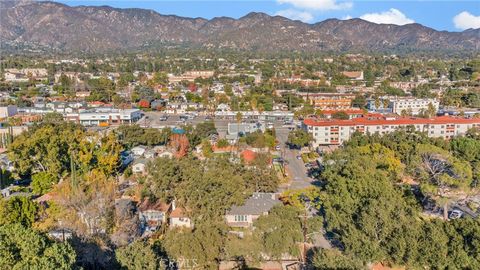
{"x": 55, "y": 26}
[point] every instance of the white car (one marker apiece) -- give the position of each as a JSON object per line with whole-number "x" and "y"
{"x": 455, "y": 214}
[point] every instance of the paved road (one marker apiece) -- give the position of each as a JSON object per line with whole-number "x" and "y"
{"x": 295, "y": 168}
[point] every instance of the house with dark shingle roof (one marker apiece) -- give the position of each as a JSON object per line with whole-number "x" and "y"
{"x": 259, "y": 204}
{"x": 152, "y": 214}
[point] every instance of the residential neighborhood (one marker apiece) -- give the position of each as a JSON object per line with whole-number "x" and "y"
{"x": 201, "y": 145}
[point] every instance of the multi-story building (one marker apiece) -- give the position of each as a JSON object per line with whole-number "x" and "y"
{"x": 20, "y": 75}
{"x": 329, "y": 101}
{"x": 8, "y": 111}
{"x": 413, "y": 105}
{"x": 397, "y": 105}
{"x": 191, "y": 76}
{"x": 335, "y": 132}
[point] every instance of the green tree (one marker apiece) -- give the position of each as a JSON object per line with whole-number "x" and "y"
{"x": 440, "y": 172}
{"x": 138, "y": 255}
{"x": 199, "y": 248}
{"x": 299, "y": 138}
{"x": 24, "y": 248}
{"x": 334, "y": 259}
{"x": 42, "y": 182}
{"x": 340, "y": 115}
{"x": 280, "y": 231}
{"x": 18, "y": 209}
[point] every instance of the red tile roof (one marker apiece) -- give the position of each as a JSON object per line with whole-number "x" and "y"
{"x": 229, "y": 148}
{"x": 178, "y": 213}
{"x": 367, "y": 121}
{"x": 347, "y": 111}
{"x": 248, "y": 155}
{"x": 159, "y": 206}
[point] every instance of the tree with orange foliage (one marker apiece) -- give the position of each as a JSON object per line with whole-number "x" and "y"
{"x": 180, "y": 144}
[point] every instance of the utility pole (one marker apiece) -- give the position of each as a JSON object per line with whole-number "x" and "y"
{"x": 306, "y": 201}
{"x": 73, "y": 171}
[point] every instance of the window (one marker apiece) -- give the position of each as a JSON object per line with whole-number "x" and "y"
{"x": 240, "y": 218}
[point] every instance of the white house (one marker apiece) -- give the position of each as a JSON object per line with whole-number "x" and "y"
{"x": 139, "y": 166}
{"x": 139, "y": 150}
{"x": 152, "y": 215}
{"x": 178, "y": 217}
{"x": 8, "y": 111}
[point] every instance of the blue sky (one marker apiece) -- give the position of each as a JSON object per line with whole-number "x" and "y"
{"x": 441, "y": 15}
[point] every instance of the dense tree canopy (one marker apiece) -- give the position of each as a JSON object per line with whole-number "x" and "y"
{"x": 299, "y": 138}
{"x": 24, "y": 248}
{"x": 138, "y": 255}
{"x": 52, "y": 148}
{"x": 18, "y": 210}
{"x": 376, "y": 219}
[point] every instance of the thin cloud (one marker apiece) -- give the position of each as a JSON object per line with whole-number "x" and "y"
{"x": 296, "y": 15}
{"x": 317, "y": 4}
{"x": 392, "y": 16}
{"x": 466, "y": 20}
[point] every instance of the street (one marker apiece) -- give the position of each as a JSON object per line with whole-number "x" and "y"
{"x": 295, "y": 168}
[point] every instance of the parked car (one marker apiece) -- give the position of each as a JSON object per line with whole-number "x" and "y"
{"x": 163, "y": 118}
{"x": 277, "y": 147}
{"x": 299, "y": 157}
{"x": 455, "y": 214}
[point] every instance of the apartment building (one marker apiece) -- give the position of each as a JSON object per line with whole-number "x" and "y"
{"x": 397, "y": 105}
{"x": 329, "y": 101}
{"x": 191, "y": 76}
{"x": 413, "y": 105}
{"x": 335, "y": 132}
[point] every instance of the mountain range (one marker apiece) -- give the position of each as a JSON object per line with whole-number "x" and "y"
{"x": 59, "y": 27}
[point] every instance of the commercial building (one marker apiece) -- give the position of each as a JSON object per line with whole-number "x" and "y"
{"x": 329, "y": 101}
{"x": 105, "y": 116}
{"x": 8, "y": 111}
{"x": 256, "y": 115}
{"x": 335, "y": 132}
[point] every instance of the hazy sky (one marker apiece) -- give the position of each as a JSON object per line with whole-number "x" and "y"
{"x": 440, "y": 15}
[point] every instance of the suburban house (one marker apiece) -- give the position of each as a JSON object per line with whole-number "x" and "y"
{"x": 166, "y": 154}
{"x": 259, "y": 204}
{"x": 178, "y": 217}
{"x": 150, "y": 153}
{"x": 139, "y": 150}
{"x": 139, "y": 166}
{"x": 152, "y": 215}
